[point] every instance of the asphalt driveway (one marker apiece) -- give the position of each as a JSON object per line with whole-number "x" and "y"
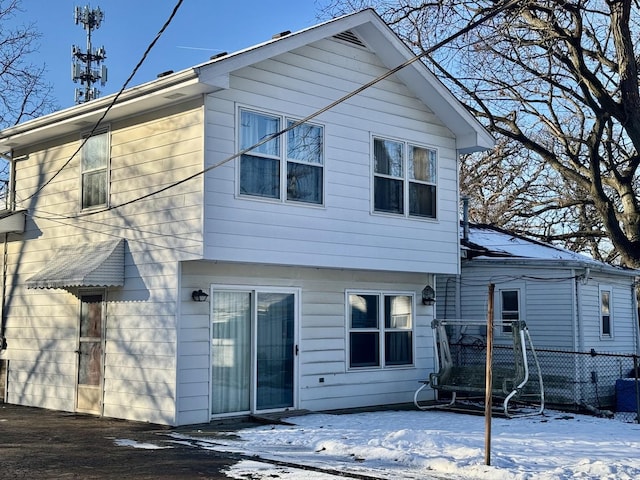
{"x": 46, "y": 444}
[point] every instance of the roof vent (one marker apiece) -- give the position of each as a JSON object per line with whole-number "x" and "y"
{"x": 218, "y": 55}
{"x": 281, "y": 34}
{"x": 164, "y": 74}
{"x": 350, "y": 37}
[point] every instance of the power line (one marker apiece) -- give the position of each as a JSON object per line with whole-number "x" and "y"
{"x": 337, "y": 102}
{"x": 115, "y": 99}
{"x": 487, "y": 16}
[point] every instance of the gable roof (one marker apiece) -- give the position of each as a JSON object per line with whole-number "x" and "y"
{"x": 365, "y": 28}
{"x": 490, "y": 244}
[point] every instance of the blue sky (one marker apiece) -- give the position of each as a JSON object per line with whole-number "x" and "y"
{"x": 201, "y": 29}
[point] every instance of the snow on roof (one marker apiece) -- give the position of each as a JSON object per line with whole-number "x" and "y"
{"x": 504, "y": 243}
{"x": 485, "y": 241}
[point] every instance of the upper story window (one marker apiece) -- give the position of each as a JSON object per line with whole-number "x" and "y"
{"x": 606, "y": 319}
{"x": 380, "y": 330}
{"x": 289, "y": 167}
{"x": 405, "y": 178}
{"x": 95, "y": 167}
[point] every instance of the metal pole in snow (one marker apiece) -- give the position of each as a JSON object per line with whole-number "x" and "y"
{"x": 488, "y": 379}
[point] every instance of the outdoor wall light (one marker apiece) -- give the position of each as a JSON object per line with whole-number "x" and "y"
{"x": 428, "y": 295}
{"x": 199, "y": 296}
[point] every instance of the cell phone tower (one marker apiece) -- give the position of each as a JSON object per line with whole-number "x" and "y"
{"x": 86, "y": 66}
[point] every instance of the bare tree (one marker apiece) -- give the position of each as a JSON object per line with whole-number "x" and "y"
{"x": 560, "y": 79}
{"x": 24, "y": 94}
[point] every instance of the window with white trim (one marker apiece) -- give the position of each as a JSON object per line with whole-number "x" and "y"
{"x": 606, "y": 317}
{"x": 380, "y": 329}
{"x": 509, "y": 309}
{"x": 94, "y": 165}
{"x": 288, "y": 167}
{"x": 404, "y": 179}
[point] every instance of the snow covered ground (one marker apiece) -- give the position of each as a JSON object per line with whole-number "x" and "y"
{"x": 432, "y": 444}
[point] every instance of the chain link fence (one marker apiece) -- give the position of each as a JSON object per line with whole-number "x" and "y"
{"x": 600, "y": 383}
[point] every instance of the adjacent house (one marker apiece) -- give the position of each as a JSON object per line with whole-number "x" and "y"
{"x": 218, "y": 242}
{"x": 569, "y": 301}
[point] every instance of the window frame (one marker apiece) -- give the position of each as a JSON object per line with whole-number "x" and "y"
{"x": 106, "y": 168}
{"x": 505, "y": 330}
{"x": 609, "y": 290}
{"x": 282, "y": 158}
{"x": 407, "y": 182}
{"x": 381, "y": 330}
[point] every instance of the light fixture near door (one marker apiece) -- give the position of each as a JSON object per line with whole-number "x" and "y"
{"x": 199, "y": 296}
{"x": 428, "y": 295}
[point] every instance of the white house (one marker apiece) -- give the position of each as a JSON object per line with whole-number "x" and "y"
{"x": 569, "y": 301}
{"x": 312, "y": 247}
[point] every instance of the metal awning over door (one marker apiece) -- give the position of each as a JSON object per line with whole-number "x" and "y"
{"x": 98, "y": 264}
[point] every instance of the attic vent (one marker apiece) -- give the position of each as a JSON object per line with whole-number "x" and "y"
{"x": 350, "y": 37}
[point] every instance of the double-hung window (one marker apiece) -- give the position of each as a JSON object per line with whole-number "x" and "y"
{"x": 405, "y": 178}
{"x": 95, "y": 170}
{"x": 380, "y": 329}
{"x": 509, "y": 309}
{"x": 606, "y": 318}
{"x": 286, "y": 167}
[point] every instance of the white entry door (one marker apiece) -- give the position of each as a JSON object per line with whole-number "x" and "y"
{"x": 252, "y": 350}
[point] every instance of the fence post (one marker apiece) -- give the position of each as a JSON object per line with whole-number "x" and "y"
{"x": 635, "y": 375}
{"x": 488, "y": 386}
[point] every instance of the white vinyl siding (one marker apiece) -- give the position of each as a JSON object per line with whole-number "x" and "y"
{"x": 343, "y": 233}
{"x": 147, "y": 152}
{"x": 325, "y": 380}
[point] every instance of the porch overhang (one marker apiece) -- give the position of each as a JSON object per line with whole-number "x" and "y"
{"x": 13, "y": 222}
{"x": 98, "y": 264}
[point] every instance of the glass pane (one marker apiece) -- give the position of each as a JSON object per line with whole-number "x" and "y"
{"x": 422, "y": 200}
{"x": 388, "y": 195}
{"x": 304, "y": 183}
{"x": 388, "y": 157}
{"x": 94, "y": 188}
{"x": 259, "y": 176}
{"x": 91, "y": 316}
{"x": 275, "y": 350}
{"x": 90, "y": 363}
{"x": 364, "y": 311}
{"x": 606, "y": 325}
{"x": 398, "y": 348}
{"x": 510, "y": 300}
{"x": 95, "y": 152}
{"x": 255, "y": 127}
{"x": 304, "y": 143}
{"x": 230, "y": 352}
{"x": 422, "y": 164}
{"x": 604, "y": 303}
{"x": 364, "y": 349}
{"x": 397, "y": 311}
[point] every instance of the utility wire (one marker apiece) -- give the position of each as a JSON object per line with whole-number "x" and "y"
{"x": 487, "y": 16}
{"x": 115, "y": 99}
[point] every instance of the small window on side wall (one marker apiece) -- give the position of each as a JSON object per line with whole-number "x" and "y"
{"x": 509, "y": 309}
{"x": 606, "y": 317}
{"x": 95, "y": 170}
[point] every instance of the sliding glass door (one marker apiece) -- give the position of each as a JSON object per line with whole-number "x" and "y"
{"x": 252, "y": 350}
